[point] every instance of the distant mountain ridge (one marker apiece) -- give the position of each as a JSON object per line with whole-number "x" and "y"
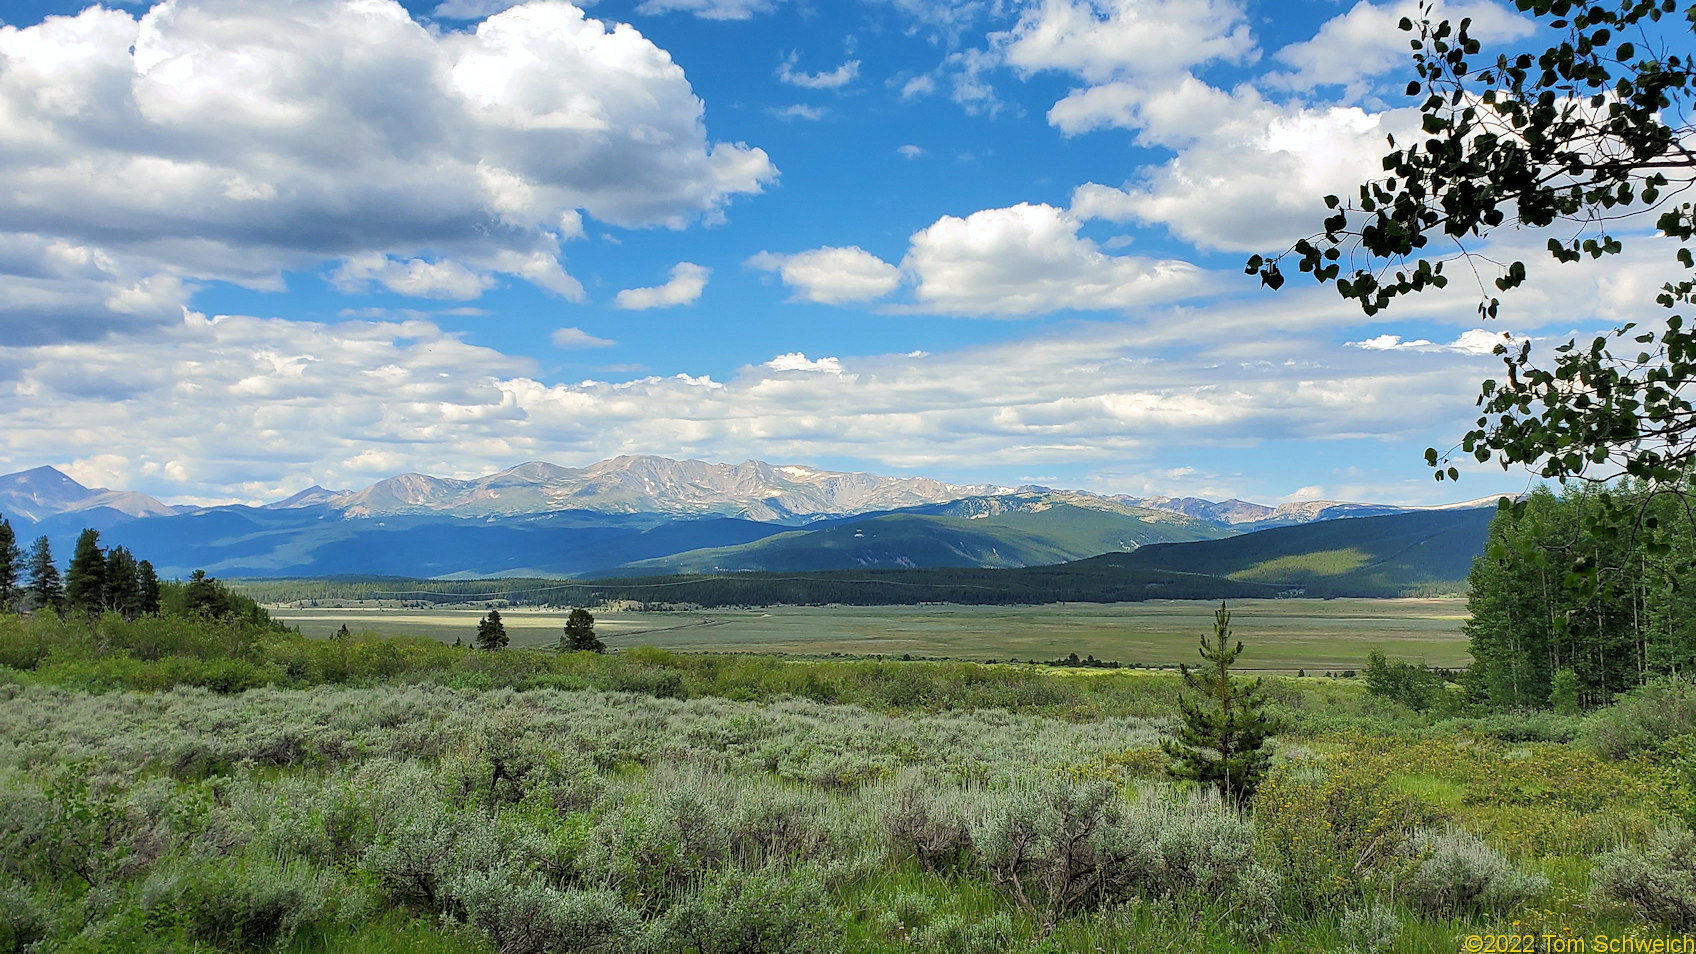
{"x": 640, "y": 515}
{"x": 43, "y": 492}
{"x": 751, "y": 490}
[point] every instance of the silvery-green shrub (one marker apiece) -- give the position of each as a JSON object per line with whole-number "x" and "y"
{"x": 928, "y": 821}
{"x": 246, "y": 901}
{"x": 1453, "y": 870}
{"x": 1057, "y": 844}
{"x": 530, "y": 917}
{"x": 1658, "y": 880}
{"x": 1369, "y": 929}
{"x": 24, "y": 923}
{"x": 739, "y": 911}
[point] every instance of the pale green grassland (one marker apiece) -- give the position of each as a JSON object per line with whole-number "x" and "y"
{"x": 1285, "y": 635}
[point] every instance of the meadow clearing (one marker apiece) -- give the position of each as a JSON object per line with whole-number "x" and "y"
{"x": 1283, "y": 635}
{"x": 196, "y": 784}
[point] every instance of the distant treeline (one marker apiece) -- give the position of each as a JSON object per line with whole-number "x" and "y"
{"x": 1104, "y": 579}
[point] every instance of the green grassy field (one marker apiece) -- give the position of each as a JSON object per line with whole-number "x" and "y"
{"x": 1281, "y": 635}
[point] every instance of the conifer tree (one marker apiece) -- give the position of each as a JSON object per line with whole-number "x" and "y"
{"x": 10, "y": 556}
{"x": 491, "y": 632}
{"x": 580, "y": 635}
{"x": 123, "y": 589}
{"x": 46, "y": 588}
{"x": 205, "y": 596}
{"x": 147, "y": 580}
{"x": 1225, "y": 735}
{"x": 85, "y": 579}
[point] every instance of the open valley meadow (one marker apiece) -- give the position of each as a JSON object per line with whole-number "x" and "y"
{"x": 1281, "y": 635}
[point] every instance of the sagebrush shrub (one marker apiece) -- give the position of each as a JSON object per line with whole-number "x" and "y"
{"x": 243, "y": 902}
{"x": 738, "y": 911}
{"x": 529, "y": 917}
{"x": 928, "y": 822}
{"x": 24, "y": 923}
{"x": 1644, "y": 719}
{"x": 1454, "y": 871}
{"x": 1658, "y": 880}
{"x": 1057, "y": 844}
{"x": 1371, "y": 928}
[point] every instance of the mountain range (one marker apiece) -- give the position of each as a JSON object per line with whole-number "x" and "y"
{"x": 637, "y": 515}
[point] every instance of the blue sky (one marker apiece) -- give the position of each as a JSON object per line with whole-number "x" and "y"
{"x": 248, "y": 245}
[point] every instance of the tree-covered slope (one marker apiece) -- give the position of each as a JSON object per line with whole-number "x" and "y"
{"x": 992, "y": 532}
{"x": 1361, "y": 556}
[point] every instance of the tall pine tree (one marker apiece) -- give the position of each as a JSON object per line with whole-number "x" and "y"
{"x": 491, "y": 632}
{"x": 85, "y": 580}
{"x": 1224, "y": 739}
{"x": 123, "y": 589}
{"x": 46, "y": 588}
{"x": 579, "y": 636}
{"x": 10, "y": 556}
{"x": 147, "y": 580}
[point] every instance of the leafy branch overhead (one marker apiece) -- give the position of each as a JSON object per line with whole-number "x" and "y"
{"x": 1589, "y": 133}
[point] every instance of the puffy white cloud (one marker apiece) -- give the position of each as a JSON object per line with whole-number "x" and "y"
{"x": 1476, "y": 341}
{"x": 796, "y": 361}
{"x": 416, "y": 278}
{"x": 1249, "y": 174}
{"x": 1364, "y": 42}
{"x": 1029, "y": 259}
{"x": 827, "y": 79}
{"x": 204, "y": 155}
{"x": 56, "y": 288}
{"x": 1101, "y": 40}
{"x": 246, "y": 408}
{"x": 572, "y": 339}
{"x": 832, "y": 275}
{"x": 685, "y": 286}
{"x": 910, "y": 151}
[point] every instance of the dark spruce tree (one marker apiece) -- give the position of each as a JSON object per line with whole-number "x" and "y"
{"x": 579, "y": 636}
{"x": 1224, "y": 740}
{"x": 205, "y": 596}
{"x": 491, "y": 632}
{"x": 46, "y": 588}
{"x": 147, "y": 581}
{"x": 10, "y": 559}
{"x": 85, "y": 580}
{"x": 123, "y": 588}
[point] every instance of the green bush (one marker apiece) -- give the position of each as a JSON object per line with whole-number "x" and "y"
{"x": 1644, "y": 720}
{"x": 1057, "y": 844}
{"x": 1453, "y": 871}
{"x": 928, "y": 822}
{"x": 1657, "y": 881}
{"x": 24, "y": 923}
{"x": 1369, "y": 929}
{"x": 739, "y": 911}
{"x": 242, "y": 903}
{"x": 528, "y": 917}
{"x": 1330, "y": 827}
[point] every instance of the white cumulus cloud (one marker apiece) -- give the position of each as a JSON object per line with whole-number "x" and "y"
{"x": 1029, "y": 259}
{"x": 825, "y": 79}
{"x": 573, "y": 339}
{"x": 203, "y": 155}
{"x": 1248, "y": 174}
{"x": 832, "y": 275}
{"x": 1101, "y": 40}
{"x": 685, "y": 286}
{"x": 1364, "y": 42}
